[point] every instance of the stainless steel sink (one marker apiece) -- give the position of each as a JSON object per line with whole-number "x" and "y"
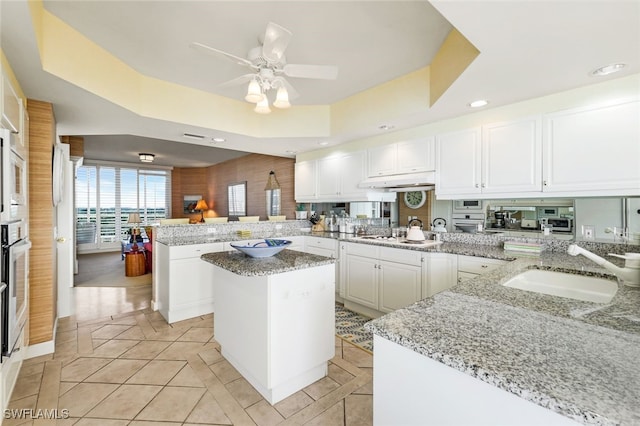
{"x": 572, "y": 286}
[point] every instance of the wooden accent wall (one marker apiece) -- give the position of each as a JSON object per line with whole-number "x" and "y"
{"x": 42, "y": 271}
{"x": 212, "y": 183}
{"x": 423, "y": 213}
{"x": 76, "y": 145}
{"x": 187, "y": 181}
{"x": 254, "y": 169}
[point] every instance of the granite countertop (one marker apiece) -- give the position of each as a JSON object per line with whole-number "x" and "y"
{"x": 246, "y": 266}
{"x": 223, "y": 238}
{"x": 579, "y": 359}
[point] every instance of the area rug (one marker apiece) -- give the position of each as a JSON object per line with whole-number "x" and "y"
{"x": 349, "y": 327}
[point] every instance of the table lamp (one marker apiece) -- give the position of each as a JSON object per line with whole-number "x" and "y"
{"x": 134, "y": 218}
{"x": 202, "y": 206}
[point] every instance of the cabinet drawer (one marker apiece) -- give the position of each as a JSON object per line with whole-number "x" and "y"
{"x": 323, "y": 243}
{"x": 364, "y": 250}
{"x": 194, "y": 250}
{"x": 478, "y": 265}
{"x": 408, "y": 257}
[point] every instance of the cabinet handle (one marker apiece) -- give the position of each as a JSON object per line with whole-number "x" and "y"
{"x": 477, "y": 186}
{"x": 484, "y": 266}
{"x": 459, "y": 279}
{"x": 484, "y": 185}
{"x": 544, "y": 183}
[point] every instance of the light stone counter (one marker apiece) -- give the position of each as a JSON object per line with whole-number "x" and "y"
{"x": 578, "y": 359}
{"x": 246, "y": 266}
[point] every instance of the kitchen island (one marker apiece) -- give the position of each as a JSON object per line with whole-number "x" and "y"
{"x": 483, "y": 353}
{"x": 275, "y": 318}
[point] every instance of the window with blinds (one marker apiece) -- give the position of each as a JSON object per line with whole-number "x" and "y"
{"x": 107, "y": 194}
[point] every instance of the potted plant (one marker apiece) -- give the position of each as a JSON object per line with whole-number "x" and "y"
{"x": 301, "y": 211}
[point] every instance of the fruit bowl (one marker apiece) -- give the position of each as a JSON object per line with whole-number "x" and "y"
{"x": 265, "y": 248}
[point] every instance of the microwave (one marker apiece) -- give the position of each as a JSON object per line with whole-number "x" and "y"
{"x": 468, "y": 206}
{"x": 558, "y": 223}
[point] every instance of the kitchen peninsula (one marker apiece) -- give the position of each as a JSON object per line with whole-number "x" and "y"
{"x": 275, "y": 318}
{"x": 510, "y": 356}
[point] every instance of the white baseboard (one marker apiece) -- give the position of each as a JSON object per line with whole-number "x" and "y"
{"x": 39, "y": 349}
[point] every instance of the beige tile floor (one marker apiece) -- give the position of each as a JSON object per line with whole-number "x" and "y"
{"x": 132, "y": 368}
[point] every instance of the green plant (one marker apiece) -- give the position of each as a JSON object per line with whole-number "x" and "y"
{"x": 300, "y": 207}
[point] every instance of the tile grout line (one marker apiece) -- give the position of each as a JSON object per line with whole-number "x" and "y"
{"x": 228, "y": 403}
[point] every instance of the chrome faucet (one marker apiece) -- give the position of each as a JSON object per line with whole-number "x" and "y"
{"x": 629, "y": 275}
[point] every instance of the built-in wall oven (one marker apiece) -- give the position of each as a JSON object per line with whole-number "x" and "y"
{"x": 14, "y": 177}
{"x": 15, "y": 270}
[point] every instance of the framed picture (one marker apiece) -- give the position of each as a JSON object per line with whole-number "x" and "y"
{"x": 190, "y": 202}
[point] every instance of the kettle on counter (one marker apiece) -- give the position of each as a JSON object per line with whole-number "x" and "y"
{"x": 439, "y": 225}
{"x": 414, "y": 232}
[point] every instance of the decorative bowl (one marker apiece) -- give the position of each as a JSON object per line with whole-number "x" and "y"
{"x": 266, "y": 248}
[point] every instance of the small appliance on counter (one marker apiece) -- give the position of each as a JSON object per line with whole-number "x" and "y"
{"x": 414, "y": 230}
{"x": 439, "y": 225}
{"x": 529, "y": 224}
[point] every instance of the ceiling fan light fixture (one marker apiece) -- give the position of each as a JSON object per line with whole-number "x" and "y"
{"x": 254, "y": 92}
{"x": 262, "y": 107}
{"x": 282, "y": 98}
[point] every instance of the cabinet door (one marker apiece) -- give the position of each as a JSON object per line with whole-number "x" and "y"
{"x": 305, "y": 181}
{"x": 11, "y": 106}
{"x": 416, "y": 156}
{"x": 400, "y": 285}
{"x": 593, "y": 151}
{"x": 362, "y": 280}
{"x": 328, "y": 178}
{"x": 382, "y": 160}
{"x": 441, "y": 273}
{"x": 458, "y": 163}
{"x": 352, "y": 171}
{"x": 512, "y": 157}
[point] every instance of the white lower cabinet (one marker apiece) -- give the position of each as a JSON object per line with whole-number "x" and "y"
{"x": 329, "y": 248}
{"x": 440, "y": 272}
{"x": 471, "y": 267}
{"x": 381, "y": 279}
{"x": 184, "y": 281}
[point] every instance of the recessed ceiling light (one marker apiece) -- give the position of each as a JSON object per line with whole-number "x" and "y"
{"x": 479, "y": 103}
{"x": 192, "y": 136}
{"x": 323, "y": 143}
{"x": 608, "y": 69}
{"x": 219, "y": 139}
{"x": 385, "y": 127}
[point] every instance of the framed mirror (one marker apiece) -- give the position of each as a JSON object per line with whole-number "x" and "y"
{"x": 237, "y": 199}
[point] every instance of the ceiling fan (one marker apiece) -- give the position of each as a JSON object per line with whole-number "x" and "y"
{"x": 269, "y": 69}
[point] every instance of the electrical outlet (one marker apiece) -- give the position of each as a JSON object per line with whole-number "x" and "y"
{"x": 588, "y": 232}
{"x": 211, "y": 230}
{"x": 278, "y": 226}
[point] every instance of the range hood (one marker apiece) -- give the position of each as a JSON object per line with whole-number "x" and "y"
{"x": 401, "y": 183}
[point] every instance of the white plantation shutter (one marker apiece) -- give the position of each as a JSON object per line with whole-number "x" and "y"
{"x": 105, "y": 196}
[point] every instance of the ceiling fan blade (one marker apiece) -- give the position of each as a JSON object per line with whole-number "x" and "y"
{"x": 221, "y": 54}
{"x": 322, "y": 72}
{"x": 238, "y": 80}
{"x": 291, "y": 91}
{"x": 276, "y": 40}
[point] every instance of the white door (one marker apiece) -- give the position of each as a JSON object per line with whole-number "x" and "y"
{"x": 64, "y": 235}
{"x": 400, "y": 285}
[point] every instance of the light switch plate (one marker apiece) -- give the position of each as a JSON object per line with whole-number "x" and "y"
{"x": 211, "y": 230}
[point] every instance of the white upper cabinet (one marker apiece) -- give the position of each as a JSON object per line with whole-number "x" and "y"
{"x": 495, "y": 159}
{"x": 305, "y": 181}
{"x": 11, "y": 107}
{"x": 512, "y": 157}
{"x": 593, "y": 151}
{"x": 333, "y": 178}
{"x": 402, "y": 157}
{"x": 458, "y": 163}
